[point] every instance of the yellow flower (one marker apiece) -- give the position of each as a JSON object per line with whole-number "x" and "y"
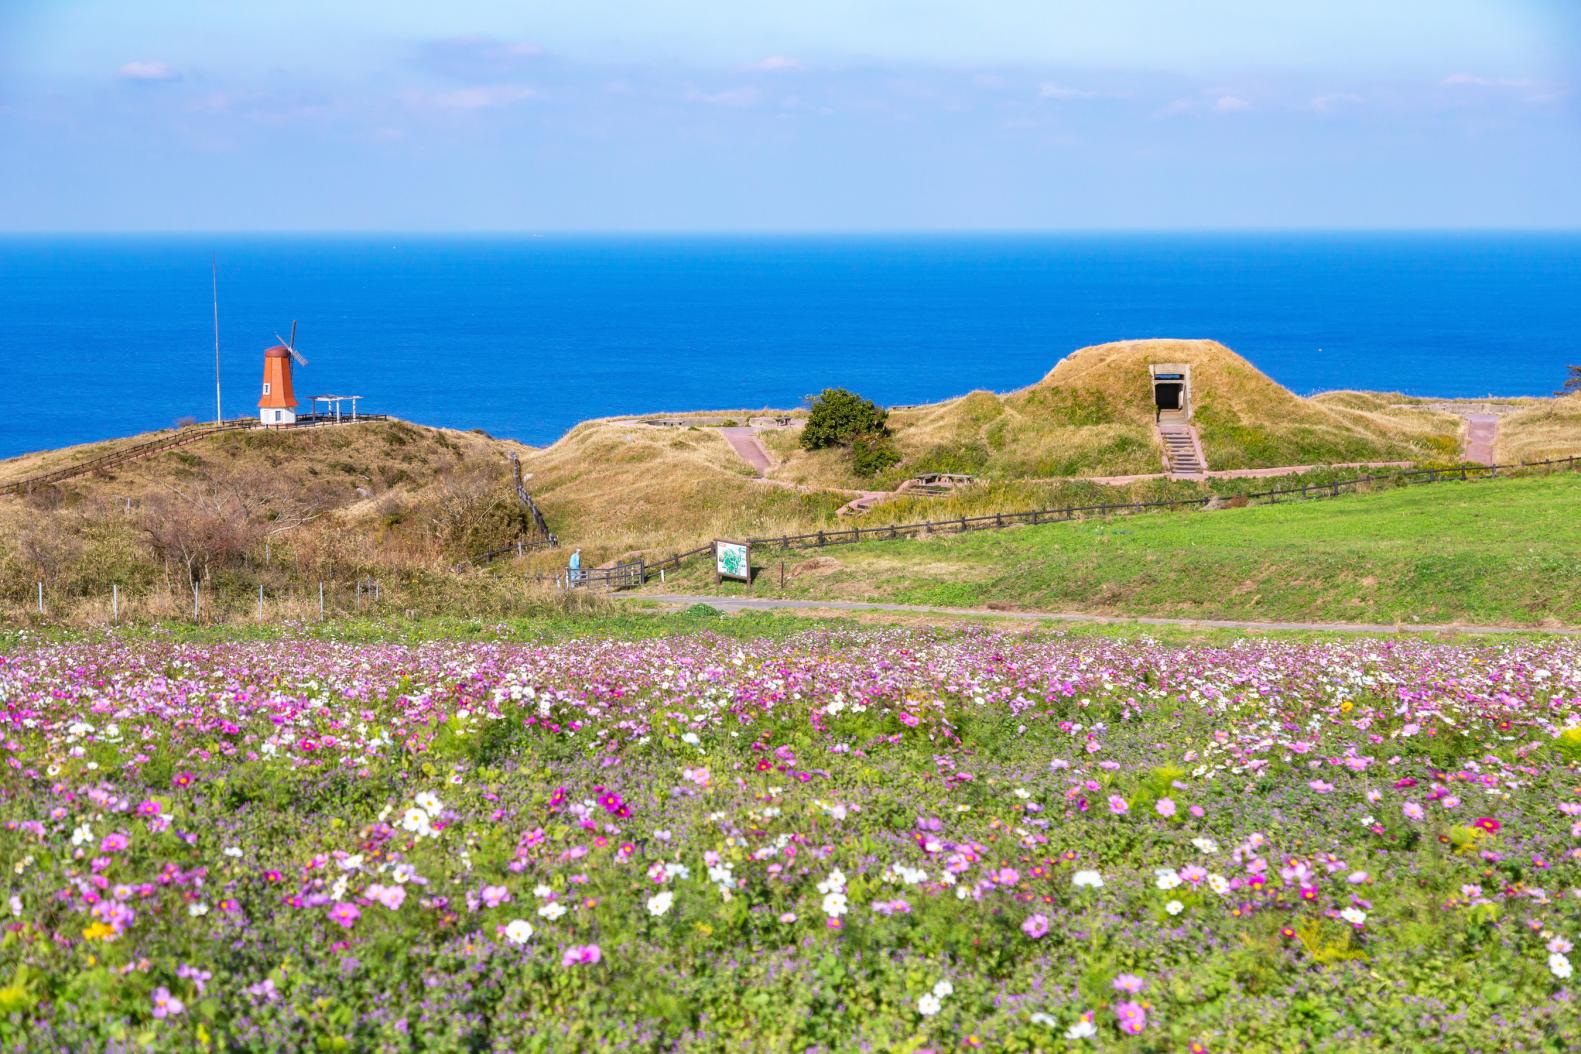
{"x": 99, "y": 931}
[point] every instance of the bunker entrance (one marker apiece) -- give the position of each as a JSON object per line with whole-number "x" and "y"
{"x": 1171, "y": 391}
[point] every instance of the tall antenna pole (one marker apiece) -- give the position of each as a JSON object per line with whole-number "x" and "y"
{"x": 214, "y": 270}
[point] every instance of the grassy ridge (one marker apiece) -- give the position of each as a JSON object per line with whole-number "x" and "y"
{"x": 1500, "y": 551}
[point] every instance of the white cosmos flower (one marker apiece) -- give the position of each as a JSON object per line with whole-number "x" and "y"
{"x": 927, "y": 1004}
{"x": 1219, "y": 884}
{"x": 1559, "y": 966}
{"x": 1354, "y": 916}
{"x": 429, "y": 803}
{"x": 82, "y": 834}
{"x": 416, "y": 821}
{"x": 519, "y": 931}
{"x": 552, "y": 910}
{"x": 1091, "y": 879}
{"x": 1082, "y": 1029}
{"x": 834, "y": 904}
{"x": 1174, "y": 907}
{"x": 944, "y": 989}
{"x": 660, "y": 902}
{"x": 1167, "y": 878}
{"x": 1205, "y": 845}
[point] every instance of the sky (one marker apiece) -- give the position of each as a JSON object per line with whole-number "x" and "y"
{"x": 788, "y": 115}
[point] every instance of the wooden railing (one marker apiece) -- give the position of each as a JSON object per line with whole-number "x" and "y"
{"x": 992, "y": 521}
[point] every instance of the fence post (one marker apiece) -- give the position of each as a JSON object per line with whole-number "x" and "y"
{"x": 260, "y": 601}
{"x": 41, "y": 598}
{"x": 820, "y": 539}
{"x": 115, "y": 602}
{"x": 321, "y": 601}
{"x": 195, "y": 616}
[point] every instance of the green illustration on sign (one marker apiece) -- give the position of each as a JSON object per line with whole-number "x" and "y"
{"x": 731, "y": 560}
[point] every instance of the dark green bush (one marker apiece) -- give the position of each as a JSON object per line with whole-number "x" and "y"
{"x": 840, "y": 417}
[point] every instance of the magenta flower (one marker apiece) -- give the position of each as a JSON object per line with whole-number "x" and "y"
{"x": 1130, "y": 983}
{"x": 580, "y": 954}
{"x": 1117, "y": 805}
{"x": 1412, "y": 810}
{"x": 149, "y": 807}
{"x": 344, "y": 914}
{"x": 114, "y": 843}
{"x": 1036, "y": 925}
{"x": 494, "y": 896}
{"x": 1131, "y": 1017}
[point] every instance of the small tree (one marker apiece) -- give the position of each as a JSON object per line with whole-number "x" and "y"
{"x": 1572, "y": 383}
{"x": 840, "y": 417}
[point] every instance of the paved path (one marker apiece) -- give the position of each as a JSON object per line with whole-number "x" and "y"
{"x": 745, "y": 442}
{"x": 1481, "y": 432}
{"x": 770, "y": 604}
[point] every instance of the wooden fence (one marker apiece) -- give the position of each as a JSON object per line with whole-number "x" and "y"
{"x": 993, "y": 521}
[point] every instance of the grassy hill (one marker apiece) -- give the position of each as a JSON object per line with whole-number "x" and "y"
{"x": 1499, "y": 551}
{"x": 393, "y": 501}
{"x": 1092, "y": 415}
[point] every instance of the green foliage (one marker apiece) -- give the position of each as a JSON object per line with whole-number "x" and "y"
{"x": 872, "y": 454}
{"x": 839, "y": 417}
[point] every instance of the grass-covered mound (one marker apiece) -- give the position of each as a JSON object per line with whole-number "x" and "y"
{"x": 888, "y": 841}
{"x": 1093, "y": 416}
{"x": 1491, "y": 551}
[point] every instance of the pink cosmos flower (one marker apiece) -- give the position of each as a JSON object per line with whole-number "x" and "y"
{"x": 391, "y": 897}
{"x": 494, "y": 896}
{"x": 1412, "y": 810}
{"x": 114, "y": 843}
{"x": 579, "y": 954}
{"x": 149, "y": 808}
{"x": 1165, "y": 807}
{"x": 1131, "y": 1017}
{"x": 1035, "y": 926}
{"x": 1129, "y": 982}
{"x": 1117, "y": 805}
{"x": 344, "y": 914}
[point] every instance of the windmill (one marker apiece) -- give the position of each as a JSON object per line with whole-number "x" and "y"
{"x": 277, "y": 405}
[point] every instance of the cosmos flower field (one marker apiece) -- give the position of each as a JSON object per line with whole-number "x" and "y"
{"x": 864, "y": 840}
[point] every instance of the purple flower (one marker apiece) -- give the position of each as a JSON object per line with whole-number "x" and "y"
{"x": 167, "y": 1005}
{"x": 494, "y": 896}
{"x": 1129, "y": 982}
{"x": 1035, "y": 926}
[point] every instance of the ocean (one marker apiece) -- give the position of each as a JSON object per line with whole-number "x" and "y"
{"x": 525, "y": 336}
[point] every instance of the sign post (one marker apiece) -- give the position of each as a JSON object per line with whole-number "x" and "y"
{"x": 732, "y": 560}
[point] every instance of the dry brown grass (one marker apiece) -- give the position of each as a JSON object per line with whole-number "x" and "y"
{"x": 1547, "y": 428}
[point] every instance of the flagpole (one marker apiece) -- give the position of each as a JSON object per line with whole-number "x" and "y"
{"x": 214, "y": 270}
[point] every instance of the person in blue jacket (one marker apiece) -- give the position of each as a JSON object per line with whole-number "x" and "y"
{"x": 576, "y": 566}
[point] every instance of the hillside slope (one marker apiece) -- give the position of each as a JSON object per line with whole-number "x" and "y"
{"x": 1092, "y": 415}
{"x": 386, "y": 499}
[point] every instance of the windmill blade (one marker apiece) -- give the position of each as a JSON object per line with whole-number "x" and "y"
{"x": 290, "y": 345}
{"x": 301, "y": 360}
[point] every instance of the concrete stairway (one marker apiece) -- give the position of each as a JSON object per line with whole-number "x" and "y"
{"x": 1182, "y": 450}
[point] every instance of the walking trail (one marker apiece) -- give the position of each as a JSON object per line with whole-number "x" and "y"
{"x": 748, "y": 447}
{"x": 1482, "y": 430}
{"x": 732, "y": 604}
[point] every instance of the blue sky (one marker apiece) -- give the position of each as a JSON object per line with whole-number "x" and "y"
{"x": 472, "y": 115}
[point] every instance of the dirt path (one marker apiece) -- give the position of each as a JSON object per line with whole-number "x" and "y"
{"x": 747, "y": 445}
{"x": 729, "y": 604}
{"x": 1482, "y": 431}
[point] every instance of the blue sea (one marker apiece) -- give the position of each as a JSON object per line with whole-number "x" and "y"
{"x": 525, "y": 336}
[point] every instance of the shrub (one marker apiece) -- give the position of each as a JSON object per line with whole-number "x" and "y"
{"x": 872, "y": 454}
{"x": 840, "y": 417}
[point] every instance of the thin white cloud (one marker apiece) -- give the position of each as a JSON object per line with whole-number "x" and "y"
{"x": 1060, "y": 93}
{"x": 147, "y": 72}
{"x": 739, "y": 97}
{"x": 778, "y": 64}
{"x": 1330, "y": 102}
{"x": 1231, "y": 104}
{"x": 482, "y": 97}
{"x": 1175, "y": 108}
{"x": 1471, "y": 80}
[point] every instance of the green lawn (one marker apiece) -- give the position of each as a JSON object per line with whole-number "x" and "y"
{"x": 1497, "y": 551}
